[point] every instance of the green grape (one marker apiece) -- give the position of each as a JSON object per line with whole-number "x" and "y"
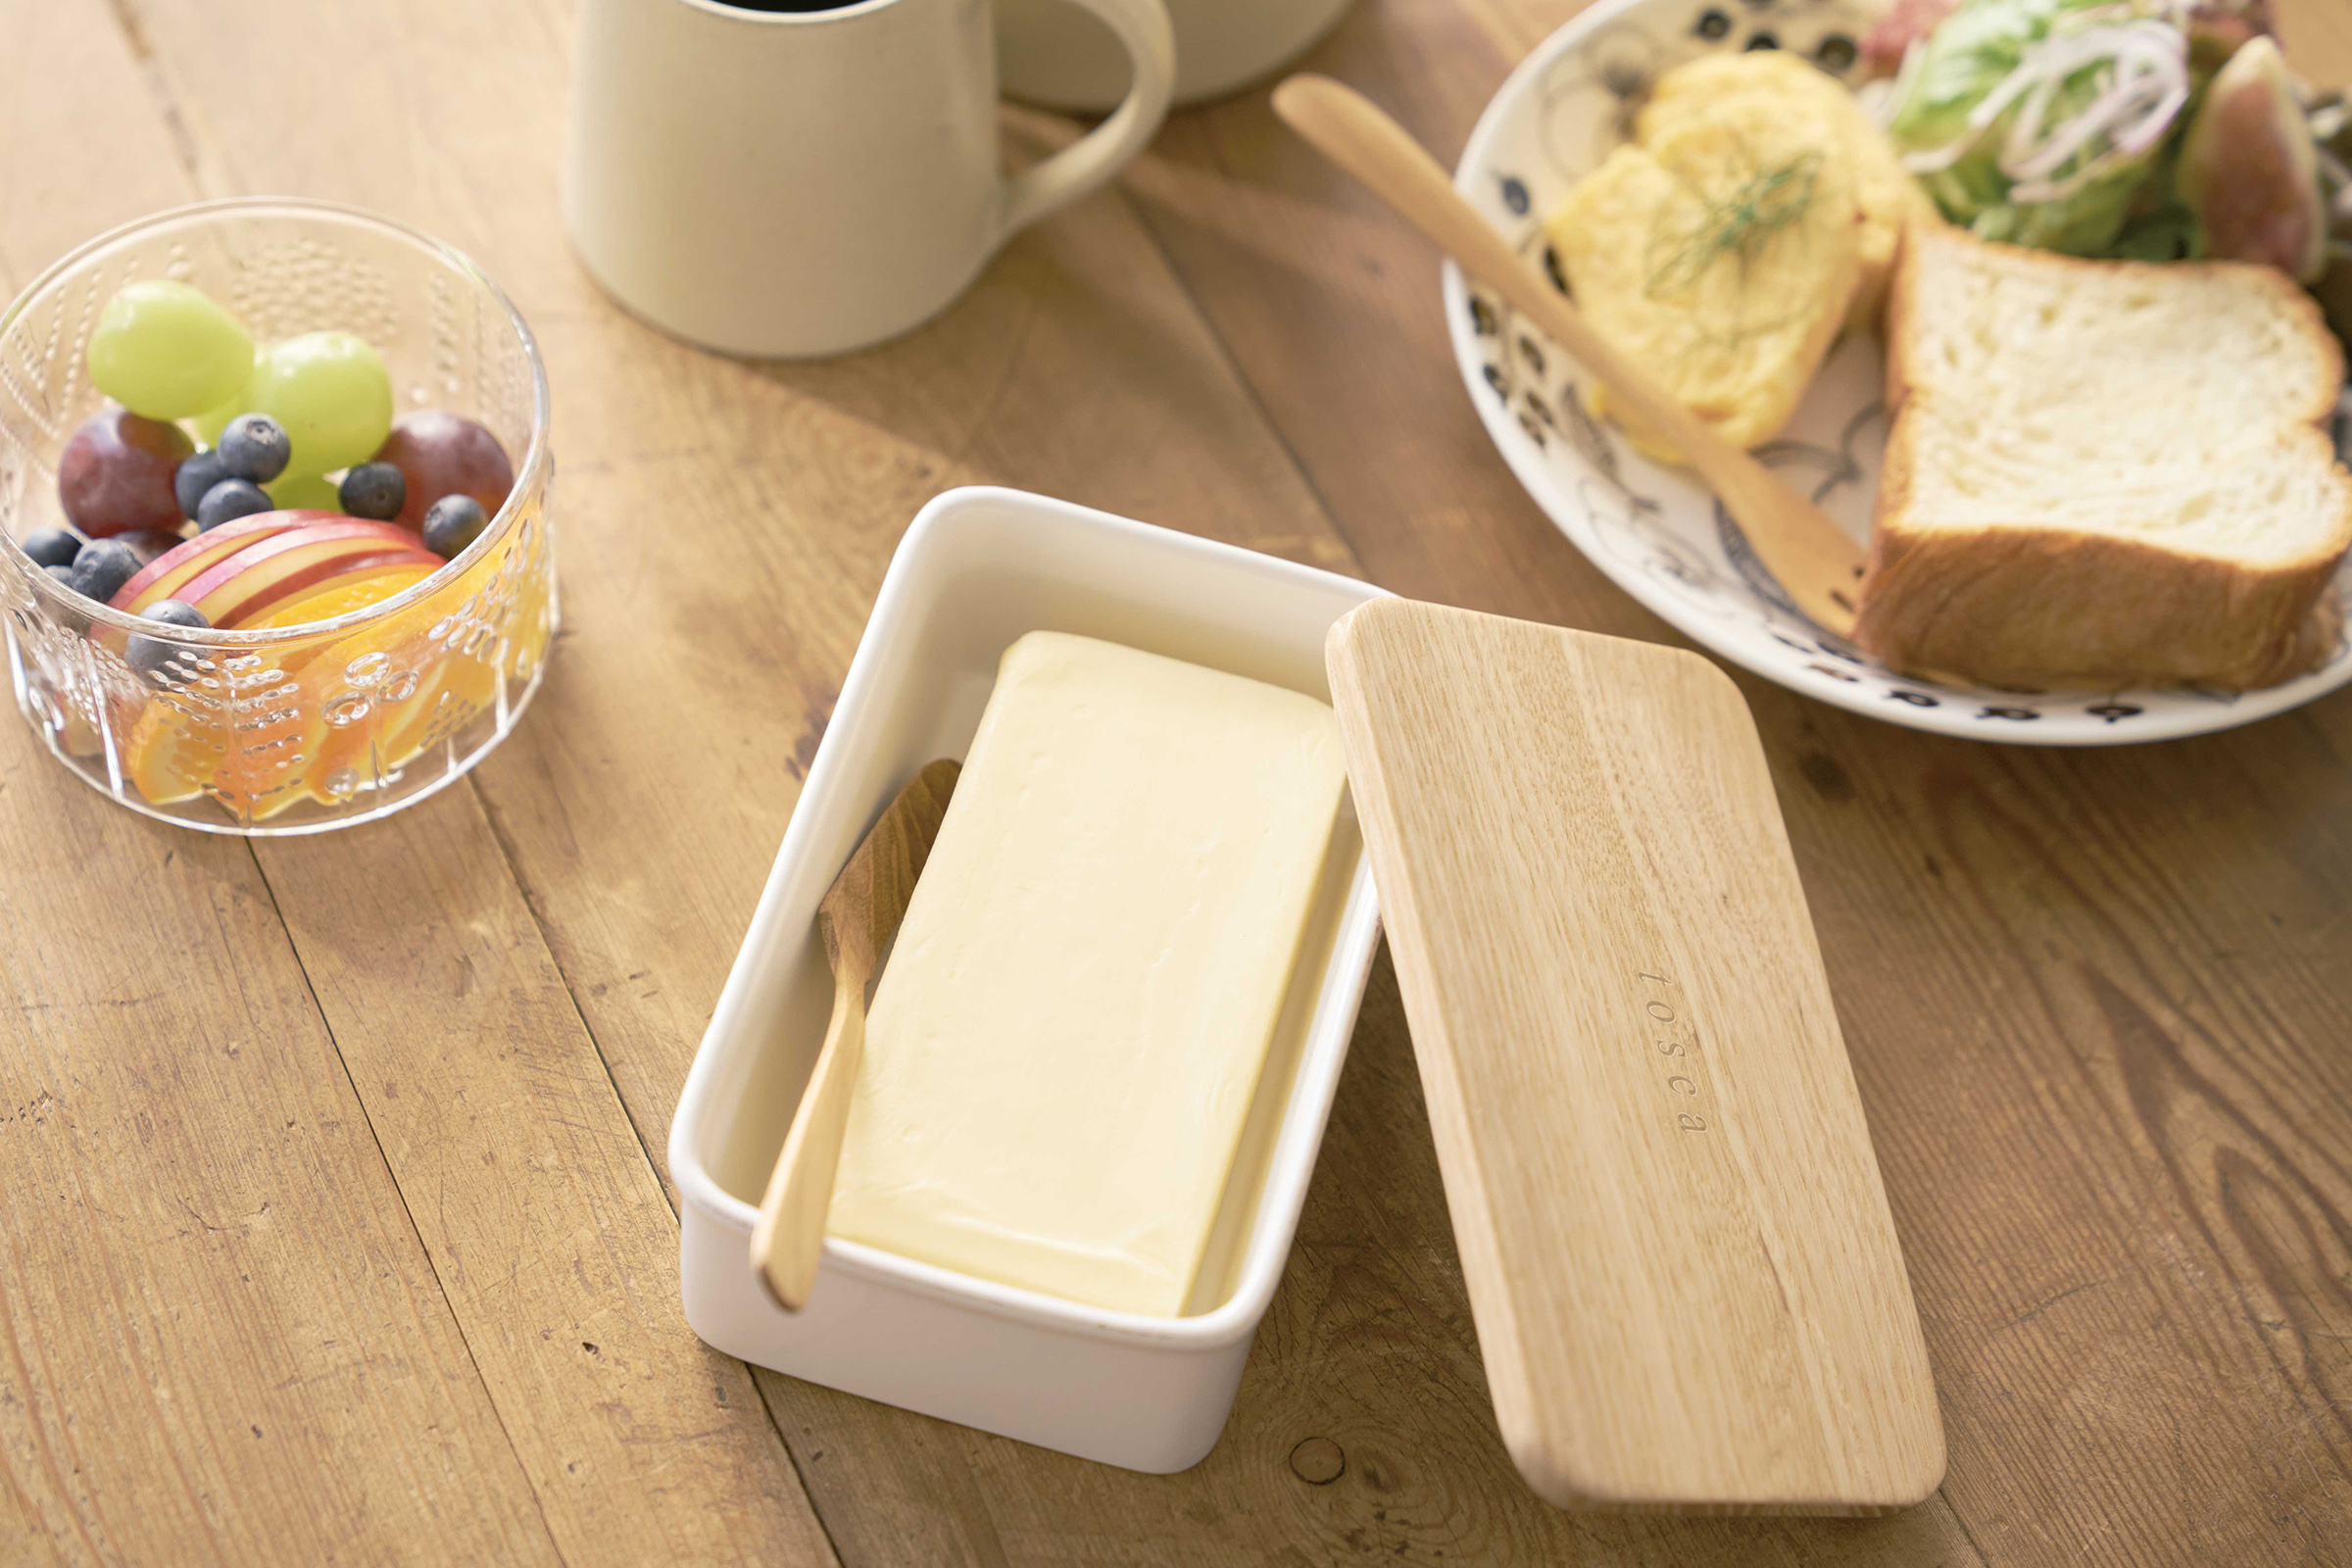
{"x": 296, "y": 492}
{"x": 330, "y": 391}
{"x": 208, "y": 424}
{"x": 166, "y": 351}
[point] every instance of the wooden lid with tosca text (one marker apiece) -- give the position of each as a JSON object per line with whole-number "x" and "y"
{"x": 1685, "y": 1275}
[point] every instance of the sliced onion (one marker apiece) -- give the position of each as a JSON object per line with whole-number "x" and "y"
{"x": 2020, "y": 159}
{"x": 2148, "y": 82}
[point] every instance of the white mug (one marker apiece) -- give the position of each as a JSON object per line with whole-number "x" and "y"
{"x": 796, "y": 183}
{"x": 1052, "y": 53}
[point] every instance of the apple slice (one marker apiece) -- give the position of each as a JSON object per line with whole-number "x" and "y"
{"x": 247, "y": 591}
{"x": 175, "y": 566}
{"x": 251, "y": 582}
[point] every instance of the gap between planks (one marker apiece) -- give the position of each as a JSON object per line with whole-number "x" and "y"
{"x": 440, "y": 1285}
{"x": 506, "y": 853}
{"x": 1127, "y": 199}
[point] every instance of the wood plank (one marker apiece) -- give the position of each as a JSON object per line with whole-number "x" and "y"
{"x": 641, "y": 801}
{"x": 220, "y": 1339}
{"x": 641, "y": 818}
{"x": 677, "y": 747}
{"x": 1678, "y": 1248}
{"x": 2136, "y": 1310}
{"x": 2082, "y": 990}
{"x": 532, "y": 1190}
{"x": 1330, "y": 305}
{"x": 546, "y": 1222}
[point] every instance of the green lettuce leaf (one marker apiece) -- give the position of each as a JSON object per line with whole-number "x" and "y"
{"x": 1967, "y": 58}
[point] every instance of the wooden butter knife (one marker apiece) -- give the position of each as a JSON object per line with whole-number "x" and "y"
{"x": 1798, "y": 543}
{"x": 859, "y": 916}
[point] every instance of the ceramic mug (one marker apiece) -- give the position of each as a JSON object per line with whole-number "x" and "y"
{"x": 797, "y": 183}
{"x": 1052, "y": 53}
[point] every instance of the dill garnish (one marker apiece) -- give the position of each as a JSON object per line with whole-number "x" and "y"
{"x": 1737, "y": 223}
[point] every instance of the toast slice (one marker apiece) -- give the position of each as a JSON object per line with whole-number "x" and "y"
{"x": 1721, "y": 255}
{"x": 2103, "y": 474}
{"x": 1889, "y": 198}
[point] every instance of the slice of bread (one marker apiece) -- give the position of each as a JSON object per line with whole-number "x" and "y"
{"x": 2103, "y": 474}
{"x": 1889, "y": 198}
{"x": 1719, "y": 255}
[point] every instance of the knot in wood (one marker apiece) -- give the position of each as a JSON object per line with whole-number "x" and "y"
{"x": 1318, "y": 1461}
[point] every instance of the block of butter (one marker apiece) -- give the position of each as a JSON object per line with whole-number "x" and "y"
{"x": 1069, "y": 1031}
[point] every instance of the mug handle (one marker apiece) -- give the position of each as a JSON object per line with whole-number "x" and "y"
{"x": 1144, "y": 28}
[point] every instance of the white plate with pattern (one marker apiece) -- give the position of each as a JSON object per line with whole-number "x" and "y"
{"x": 1656, "y": 530}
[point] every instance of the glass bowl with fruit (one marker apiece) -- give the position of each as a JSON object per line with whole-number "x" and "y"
{"x": 273, "y": 484}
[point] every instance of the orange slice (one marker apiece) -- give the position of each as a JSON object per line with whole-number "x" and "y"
{"x": 358, "y": 708}
{"x": 343, "y": 594}
{"x": 170, "y": 754}
{"x": 406, "y": 708}
{"x": 383, "y": 685}
{"x": 363, "y": 702}
{"x": 253, "y": 760}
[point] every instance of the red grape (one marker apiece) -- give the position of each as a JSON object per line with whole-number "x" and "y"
{"x": 446, "y": 455}
{"x": 114, "y": 476}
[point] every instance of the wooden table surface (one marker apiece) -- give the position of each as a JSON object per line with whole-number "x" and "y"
{"x": 336, "y": 1228}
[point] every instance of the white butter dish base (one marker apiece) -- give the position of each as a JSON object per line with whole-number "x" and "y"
{"x": 976, "y": 569}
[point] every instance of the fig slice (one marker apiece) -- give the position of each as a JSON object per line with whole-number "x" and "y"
{"x": 2248, "y": 169}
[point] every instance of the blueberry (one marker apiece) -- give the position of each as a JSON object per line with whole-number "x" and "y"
{"x": 176, "y": 612}
{"x": 103, "y": 566}
{"x": 231, "y": 498}
{"x": 254, "y": 446}
{"x": 453, "y": 522}
{"x": 194, "y": 477}
{"x": 375, "y": 490}
{"x": 64, "y": 574}
{"x": 52, "y": 547}
{"x": 147, "y": 655}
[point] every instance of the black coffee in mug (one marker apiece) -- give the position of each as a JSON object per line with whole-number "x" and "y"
{"x": 786, "y": 5}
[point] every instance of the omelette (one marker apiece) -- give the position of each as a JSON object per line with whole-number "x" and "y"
{"x": 1720, "y": 251}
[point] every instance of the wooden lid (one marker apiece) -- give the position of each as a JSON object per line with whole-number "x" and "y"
{"x": 1684, "y": 1276}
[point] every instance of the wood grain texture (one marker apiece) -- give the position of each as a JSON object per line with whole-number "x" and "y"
{"x": 1679, "y": 1258}
{"x": 2092, "y": 1000}
{"x": 548, "y": 1246}
{"x": 546, "y": 1224}
{"x": 1993, "y": 1091}
{"x": 864, "y": 907}
{"x": 221, "y": 1340}
{"x": 788, "y": 1239}
{"x": 858, "y": 916}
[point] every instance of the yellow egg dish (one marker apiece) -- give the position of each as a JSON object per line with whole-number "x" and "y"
{"x": 1890, "y": 197}
{"x": 1721, "y": 253}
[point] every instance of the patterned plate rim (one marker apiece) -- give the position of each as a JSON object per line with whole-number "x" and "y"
{"x": 1961, "y": 710}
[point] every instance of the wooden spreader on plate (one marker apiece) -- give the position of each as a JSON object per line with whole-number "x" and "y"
{"x": 1683, "y": 1272}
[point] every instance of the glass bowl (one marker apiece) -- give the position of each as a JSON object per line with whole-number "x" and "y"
{"x": 313, "y": 727}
